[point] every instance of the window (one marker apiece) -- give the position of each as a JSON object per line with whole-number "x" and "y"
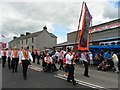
{"x": 32, "y": 39}
{"x": 118, "y": 43}
{"x": 22, "y": 41}
{"x": 26, "y": 41}
{"x": 113, "y": 43}
{"x": 32, "y": 48}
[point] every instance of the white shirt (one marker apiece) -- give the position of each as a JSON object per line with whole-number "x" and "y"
{"x": 69, "y": 58}
{"x": 90, "y": 56}
{"x": 29, "y": 56}
{"x": 50, "y": 59}
{"x": 9, "y": 54}
{"x": 2, "y": 54}
{"x": 114, "y": 58}
{"x": 57, "y": 54}
{"x": 83, "y": 57}
{"x": 19, "y": 54}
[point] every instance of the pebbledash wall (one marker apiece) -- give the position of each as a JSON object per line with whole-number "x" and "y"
{"x": 41, "y": 39}
{"x": 103, "y": 34}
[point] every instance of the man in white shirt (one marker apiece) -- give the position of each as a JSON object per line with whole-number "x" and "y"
{"x": 25, "y": 59}
{"x": 85, "y": 62}
{"x": 115, "y": 61}
{"x": 3, "y": 55}
{"x": 70, "y": 66}
{"x": 15, "y": 56}
{"x": 9, "y": 55}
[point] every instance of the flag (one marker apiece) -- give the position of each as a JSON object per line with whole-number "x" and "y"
{"x": 2, "y": 35}
{"x": 83, "y": 40}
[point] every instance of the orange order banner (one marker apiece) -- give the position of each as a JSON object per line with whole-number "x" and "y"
{"x": 83, "y": 41}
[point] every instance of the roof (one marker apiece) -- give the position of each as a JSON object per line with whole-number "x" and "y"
{"x": 116, "y": 20}
{"x": 33, "y": 35}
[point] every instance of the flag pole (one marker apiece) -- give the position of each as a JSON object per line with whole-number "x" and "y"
{"x": 75, "y": 48}
{"x": 90, "y": 35}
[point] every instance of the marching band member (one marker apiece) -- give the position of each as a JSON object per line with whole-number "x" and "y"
{"x": 3, "y": 54}
{"x": 9, "y": 54}
{"x": 25, "y": 60}
{"x": 70, "y": 66}
{"x": 15, "y": 59}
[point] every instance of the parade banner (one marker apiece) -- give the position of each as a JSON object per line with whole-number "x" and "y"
{"x": 83, "y": 40}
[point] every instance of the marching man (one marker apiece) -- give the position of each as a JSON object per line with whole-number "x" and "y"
{"x": 15, "y": 59}
{"x": 25, "y": 60}
{"x": 3, "y": 54}
{"x": 9, "y": 54}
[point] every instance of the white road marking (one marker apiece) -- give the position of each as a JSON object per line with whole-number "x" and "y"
{"x": 81, "y": 82}
{"x": 64, "y": 78}
{"x": 35, "y": 68}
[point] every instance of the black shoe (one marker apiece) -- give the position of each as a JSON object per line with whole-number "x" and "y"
{"x": 75, "y": 83}
{"x": 86, "y": 75}
{"x": 25, "y": 78}
{"x": 68, "y": 80}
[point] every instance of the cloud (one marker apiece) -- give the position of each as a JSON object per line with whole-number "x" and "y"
{"x": 19, "y": 16}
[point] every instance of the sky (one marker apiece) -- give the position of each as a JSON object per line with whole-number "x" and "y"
{"x": 60, "y": 16}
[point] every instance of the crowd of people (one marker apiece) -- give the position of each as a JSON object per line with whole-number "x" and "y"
{"x": 49, "y": 59}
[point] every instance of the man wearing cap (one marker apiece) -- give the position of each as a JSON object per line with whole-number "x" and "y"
{"x": 25, "y": 60}
{"x": 3, "y": 54}
{"x": 85, "y": 62}
{"x": 15, "y": 59}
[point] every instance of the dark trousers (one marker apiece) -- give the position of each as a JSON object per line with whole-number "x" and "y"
{"x": 14, "y": 64}
{"x": 71, "y": 74}
{"x": 33, "y": 58}
{"x": 9, "y": 62}
{"x": 38, "y": 59}
{"x": 25, "y": 64}
{"x": 86, "y": 68}
{"x": 3, "y": 61}
{"x": 61, "y": 64}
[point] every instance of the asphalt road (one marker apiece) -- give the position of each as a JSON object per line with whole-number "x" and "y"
{"x": 36, "y": 79}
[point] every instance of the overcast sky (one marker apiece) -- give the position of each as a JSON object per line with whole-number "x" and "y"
{"x": 60, "y": 16}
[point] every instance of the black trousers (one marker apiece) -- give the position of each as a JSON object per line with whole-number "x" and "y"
{"x": 86, "y": 68}
{"x": 38, "y": 59}
{"x": 14, "y": 64}
{"x": 61, "y": 64}
{"x": 25, "y": 64}
{"x": 71, "y": 69}
{"x": 33, "y": 58}
{"x": 3, "y": 61}
{"x": 9, "y": 62}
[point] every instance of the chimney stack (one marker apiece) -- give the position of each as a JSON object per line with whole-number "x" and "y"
{"x": 44, "y": 28}
{"x": 27, "y": 33}
{"x": 21, "y": 35}
{"x": 14, "y": 37}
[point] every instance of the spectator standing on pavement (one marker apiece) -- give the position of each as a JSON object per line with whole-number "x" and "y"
{"x": 85, "y": 62}
{"x": 25, "y": 60}
{"x": 57, "y": 56}
{"x": 3, "y": 54}
{"x": 61, "y": 57}
{"x": 38, "y": 56}
{"x": 34, "y": 54}
{"x": 115, "y": 61}
{"x": 91, "y": 58}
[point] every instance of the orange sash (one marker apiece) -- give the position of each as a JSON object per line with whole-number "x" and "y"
{"x": 15, "y": 53}
{"x": 25, "y": 53}
{"x": 47, "y": 59}
{"x": 4, "y": 52}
